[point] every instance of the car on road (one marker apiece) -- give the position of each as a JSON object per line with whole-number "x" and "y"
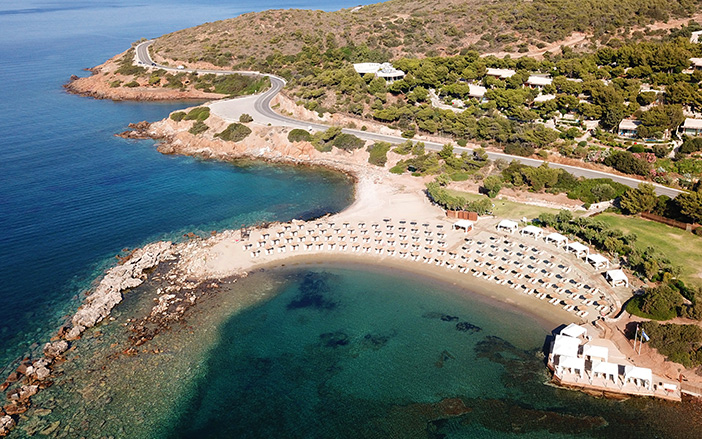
{"x": 180, "y": 67}
{"x": 153, "y": 63}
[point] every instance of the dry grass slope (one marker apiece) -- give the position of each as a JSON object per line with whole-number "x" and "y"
{"x": 416, "y": 27}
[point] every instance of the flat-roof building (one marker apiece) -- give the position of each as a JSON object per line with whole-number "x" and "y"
{"x": 384, "y": 70}
{"x": 501, "y": 73}
{"x": 691, "y": 127}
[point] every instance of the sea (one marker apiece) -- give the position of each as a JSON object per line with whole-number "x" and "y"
{"x": 328, "y": 351}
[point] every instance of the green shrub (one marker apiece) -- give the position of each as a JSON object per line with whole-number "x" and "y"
{"x": 348, "y": 142}
{"x": 298, "y": 135}
{"x": 680, "y": 343}
{"x": 398, "y": 169}
{"x": 404, "y": 148}
{"x": 178, "y": 116}
{"x": 245, "y": 118}
{"x": 132, "y": 84}
{"x": 198, "y": 128}
{"x": 462, "y": 142}
{"x": 198, "y": 113}
{"x": 116, "y": 83}
{"x": 492, "y": 185}
{"x": 460, "y": 175}
{"x": 235, "y": 132}
{"x": 378, "y": 153}
{"x": 408, "y": 134}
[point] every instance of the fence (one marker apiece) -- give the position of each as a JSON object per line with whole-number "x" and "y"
{"x": 670, "y": 222}
{"x": 462, "y": 214}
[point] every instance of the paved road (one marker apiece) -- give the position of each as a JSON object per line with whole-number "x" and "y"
{"x": 259, "y": 107}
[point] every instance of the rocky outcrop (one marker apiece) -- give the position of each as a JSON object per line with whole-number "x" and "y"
{"x": 55, "y": 349}
{"x": 108, "y": 293}
{"x": 139, "y": 130}
{"x": 6, "y": 424}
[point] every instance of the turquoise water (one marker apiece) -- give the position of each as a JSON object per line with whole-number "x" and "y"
{"x": 360, "y": 353}
{"x": 72, "y": 195}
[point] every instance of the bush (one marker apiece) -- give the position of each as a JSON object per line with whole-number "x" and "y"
{"x": 680, "y": 343}
{"x": 178, "y": 116}
{"x": 408, "y": 134}
{"x": 520, "y": 150}
{"x": 492, "y": 185}
{"x": 198, "y": 128}
{"x": 378, "y": 153}
{"x": 245, "y": 118}
{"x": 198, "y": 113}
{"x": 627, "y": 163}
{"x": 298, "y": 135}
{"x": 235, "y": 132}
{"x": 116, "y": 83}
{"x": 404, "y": 149}
{"x": 132, "y": 84}
{"x": 348, "y": 142}
{"x": 637, "y": 148}
{"x": 658, "y": 303}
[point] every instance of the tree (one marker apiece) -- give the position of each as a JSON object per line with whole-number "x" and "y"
{"x": 690, "y": 204}
{"x": 492, "y": 185}
{"x": 640, "y": 199}
{"x": 603, "y": 192}
{"x": 661, "y": 302}
{"x": 446, "y": 152}
{"x": 245, "y": 118}
{"x": 627, "y": 163}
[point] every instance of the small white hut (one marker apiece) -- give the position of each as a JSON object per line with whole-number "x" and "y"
{"x": 617, "y": 278}
{"x": 557, "y": 239}
{"x": 640, "y": 376}
{"x": 466, "y": 225}
{"x": 579, "y": 249}
{"x": 571, "y": 364}
{"x": 606, "y": 370}
{"x": 598, "y": 261}
{"x": 508, "y": 226}
{"x": 533, "y": 231}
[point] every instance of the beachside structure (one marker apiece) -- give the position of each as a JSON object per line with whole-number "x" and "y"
{"x": 579, "y": 249}
{"x": 384, "y": 70}
{"x": 629, "y": 128}
{"x": 535, "y": 81}
{"x": 598, "y": 261}
{"x": 533, "y": 231}
{"x": 508, "y": 226}
{"x": 466, "y": 225}
{"x": 691, "y": 127}
{"x": 617, "y": 278}
{"x": 557, "y": 239}
{"x": 582, "y": 363}
{"x": 501, "y": 73}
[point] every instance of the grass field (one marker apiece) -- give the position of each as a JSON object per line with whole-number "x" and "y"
{"x": 681, "y": 247}
{"x": 508, "y": 209}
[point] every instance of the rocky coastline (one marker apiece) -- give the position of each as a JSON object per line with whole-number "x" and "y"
{"x": 33, "y": 375}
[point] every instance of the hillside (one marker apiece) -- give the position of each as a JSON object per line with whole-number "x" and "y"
{"x": 418, "y": 28}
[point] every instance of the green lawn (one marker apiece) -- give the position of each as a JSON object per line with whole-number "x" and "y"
{"x": 508, "y": 209}
{"x": 681, "y": 247}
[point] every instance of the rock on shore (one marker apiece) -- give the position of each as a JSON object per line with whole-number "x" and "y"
{"x": 108, "y": 293}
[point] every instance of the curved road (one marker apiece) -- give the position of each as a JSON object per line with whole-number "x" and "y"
{"x": 259, "y": 107}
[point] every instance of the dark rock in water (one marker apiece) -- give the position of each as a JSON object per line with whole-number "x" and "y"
{"x": 375, "y": 341}
{"x": 443, "y": 357}
{"x": 440, "y": 316}
{"x": 467, "y": 327}
{"x": 312, "y": 293}
{"x": 334, "y": 339}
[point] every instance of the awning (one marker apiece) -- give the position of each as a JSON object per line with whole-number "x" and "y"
{"x": 565, "y": 346}
{"x": 597, "y": 260}
{"x": 573, "y": 330}
{"x": 616, "y": 277}
{"x": 594, "y": 351}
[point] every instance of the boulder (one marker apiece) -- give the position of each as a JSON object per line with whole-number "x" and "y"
{"x": 6, "y": 424}
{"x": 15, "y": 409}
{"x": 55, "y": 349}
{"x": 74, "y": 333}
{"x": 42, "y": 373}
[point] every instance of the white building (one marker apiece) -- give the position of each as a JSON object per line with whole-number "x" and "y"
{"x": 535, "y": 81}
{"x": 617, "y": 278}
{"x": 544, "y": 98}
{"x": 476, "y": 91}
{"x": 691, "y": 127}
{"x": 629, "y": 128}
{"x": 501, "y": 73}
{"x": 384, "y": 70}
{"x": 508, "y": 226}
{"x": 695, "y": 37}
{"x": 696, "y": 63}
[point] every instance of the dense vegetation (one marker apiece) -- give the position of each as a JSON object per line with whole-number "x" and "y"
{"x": 378, "y": 153}
{"x": 235, "y": 132}
{"x": 679, "y": 343}
{"x": 686, "y": 207}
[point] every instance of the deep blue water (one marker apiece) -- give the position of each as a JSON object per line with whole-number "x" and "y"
{"x": 72, "y": 195}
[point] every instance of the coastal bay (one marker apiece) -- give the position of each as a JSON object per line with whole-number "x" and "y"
{"x": 324, "y": 345}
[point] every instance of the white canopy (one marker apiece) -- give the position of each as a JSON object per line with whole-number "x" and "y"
{"x": 536, "y": 232}
{"x": 573, "y": 363}
{"x": 509, "y": 225}
{"x": 597, "y": 260}
{"x": 573, "y": 330}
{"x": 577, "y": 248}
{"x": 557, "y": 238}
{"x": 639, "y": 373}
{"x": 463, "y": 224}
{"x": 594, "y": 351}
{"x": 606, "y": 369}
{"x": 565, "y": 346}
{"x": 617, "y": 278}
